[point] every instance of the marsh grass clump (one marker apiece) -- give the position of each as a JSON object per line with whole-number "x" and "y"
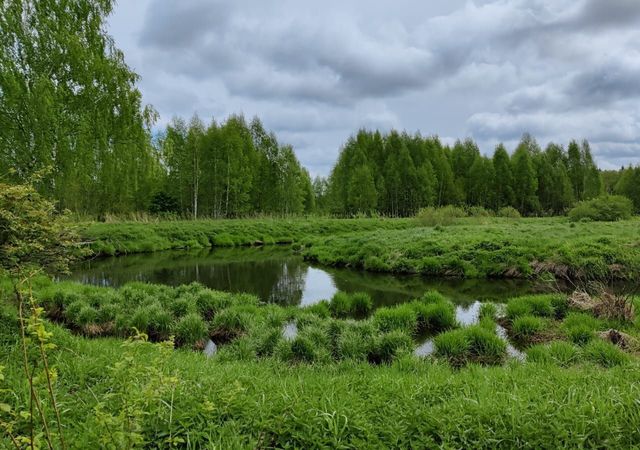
{"x": 399, "y": 318}
{"x": 229, "y": 324}
{"x": 560, "y": 353}
{"x": 434, "y": 317}
{"x": 387, "y": 346}
{"x": 453, "y": 346}
{"x": 525, "y": 328}
{"x": 488, "y": 311}
{"x": 354, "y": 343}
{"x": 580, "y": 327}
{"x": 604, "y": 353}
{"x": 340, "y": 305}
{"x": 470, "y": 344}
{"x": 190, "y": 330}
{"x": 361, "y": 304}
{"x": 508, "y": 212}
{"x": 535, "y": 305}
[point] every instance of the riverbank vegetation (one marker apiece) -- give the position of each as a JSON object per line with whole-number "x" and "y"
{"x": 492, "y": 248}
{"x": 265, "y": 389}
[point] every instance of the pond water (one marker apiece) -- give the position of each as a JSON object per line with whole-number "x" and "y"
{"x": 278, "y": 275}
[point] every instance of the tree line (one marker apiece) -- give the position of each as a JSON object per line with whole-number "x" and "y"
{"x": 228, "y": 170}
{"x": 72, "y": 123}
{"x": 396, "y": 174}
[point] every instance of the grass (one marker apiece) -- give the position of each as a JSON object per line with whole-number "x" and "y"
{"x": 338, "y": 382}
{"x": 480, "y": 247}
{"x": 139, "y": 237}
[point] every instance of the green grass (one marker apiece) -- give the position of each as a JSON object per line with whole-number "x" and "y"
{"x": 137, "y": 237}
{"x": 341, "y": 383}
{"x": 492, "y": 248}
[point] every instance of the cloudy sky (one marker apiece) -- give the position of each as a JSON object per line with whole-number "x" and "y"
{"x": 315, "y": 72}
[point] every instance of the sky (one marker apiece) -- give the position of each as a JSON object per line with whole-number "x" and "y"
{"x": 316, "y": 72}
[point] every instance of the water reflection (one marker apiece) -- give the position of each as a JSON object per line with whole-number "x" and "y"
{"x": 277, "y": 275}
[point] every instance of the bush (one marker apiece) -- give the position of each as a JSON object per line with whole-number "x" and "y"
{"x": 446, "y": 215}
{"x": 478, "y": 211}
{"x": 402, "y": 318}
{"x": 525, "y": 327}
{"x": 509, "y": 212}
{"x": 605, "y": 353}
{"x": 607, "y": 208}
{"x": 190, "y": 330}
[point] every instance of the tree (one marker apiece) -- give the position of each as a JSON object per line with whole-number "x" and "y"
{"x": 362, "y": 190}
{"x": 68, "y": 103}
{"x": 503, "y": 179}
{"x": 575, "y": 170}
{"x": 524, "y": 180}
{"x": 593, "y": 185}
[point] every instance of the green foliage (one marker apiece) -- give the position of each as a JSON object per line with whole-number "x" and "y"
{"x": 608, "y": 208}
{"x": 190, "y": 330}
{"x": 535, "y": 305}
{"x": 605, "y": 353}
{"x": 560, "y": 353}
{"x": 399, "y": 318}
{"x": 509, "y": 212}
{"x": 491, "y": 248}
{"x": 444, "y": 216}
{"x": 470, "y": 344}
{"x": 33, "y": 235}
{"x": 526, "y": 327}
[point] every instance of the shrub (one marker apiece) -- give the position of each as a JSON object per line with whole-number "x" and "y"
{"x": 607, "y": 208}
{"x": 446, "y": 215}
{"x": 605, "y": 353}
{"x": 402, "y": 317}
{"x": 190, "y": 330}
{"x": 478, "y": 211}
{"x": 526, "y": 326}
{"x": 509, "y": 212}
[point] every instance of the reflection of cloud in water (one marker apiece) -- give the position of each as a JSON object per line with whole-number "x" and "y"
{"x": 318, "y": 285}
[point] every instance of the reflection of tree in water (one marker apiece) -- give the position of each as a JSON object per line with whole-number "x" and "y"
{"x": 273, "y": 275}
{"x": 290, "y": 284}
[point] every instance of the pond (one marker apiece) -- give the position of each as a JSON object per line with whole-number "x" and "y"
{"x": 278, "y": 275}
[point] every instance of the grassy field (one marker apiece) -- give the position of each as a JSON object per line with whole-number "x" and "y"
{"x": 138, "y": 237}
{"x": 492, "y": 248}
{"x": 332, "y": 385}
{"x": 476, "y": 247}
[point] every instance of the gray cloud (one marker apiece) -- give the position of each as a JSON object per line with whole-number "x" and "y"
{"x": 316, "y": 72}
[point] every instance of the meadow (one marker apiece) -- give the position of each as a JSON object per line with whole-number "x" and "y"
{"x": 347, "y": 379}
{"x": 492, "y": 248}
